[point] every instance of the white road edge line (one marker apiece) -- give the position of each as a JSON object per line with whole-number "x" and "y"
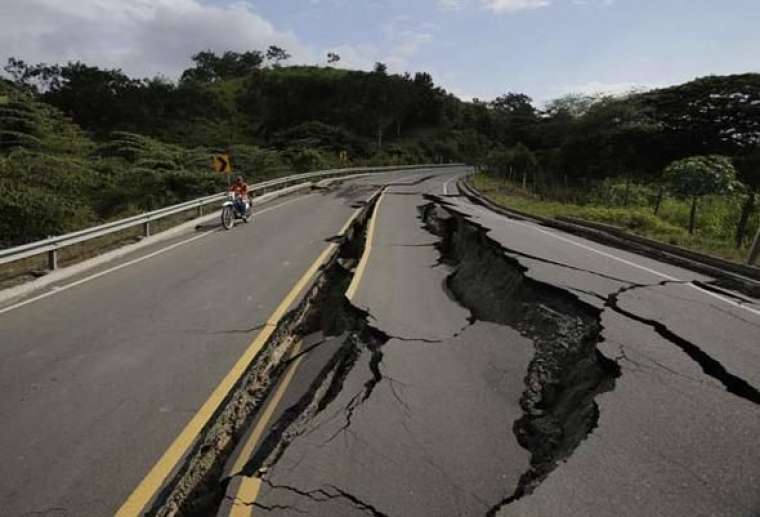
{"x": 446, "y": 186}
{"x": 639, "y": 266}
{"x": 60, "y": 289}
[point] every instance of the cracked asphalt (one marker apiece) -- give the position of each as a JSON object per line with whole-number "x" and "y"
{"x": 675, "y": 434}
{"x": 419, "y": 407}
{"x": 97, "y": 380}
{"x": 671, "y": 439}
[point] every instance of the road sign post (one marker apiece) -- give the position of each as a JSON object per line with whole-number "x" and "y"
{"x": 223, "y": 163}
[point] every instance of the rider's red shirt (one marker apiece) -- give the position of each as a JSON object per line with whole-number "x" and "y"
{"x": 240, "y": 189}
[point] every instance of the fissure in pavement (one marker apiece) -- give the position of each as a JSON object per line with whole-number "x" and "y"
{"x": 567, "y": 371}
{"x": 321, "y": 495}
{"x": 709, "y": 365}
{"x": 198, "y": 487}
{"x": 333, "y": 316}
{"x": 734, "y": 384}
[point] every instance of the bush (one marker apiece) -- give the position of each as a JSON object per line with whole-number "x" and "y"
{"x": 258, "y": 164}
{"x": 307, "y": 160}
{"x": 29, "y": 213}
{"x": 615, "y": 192}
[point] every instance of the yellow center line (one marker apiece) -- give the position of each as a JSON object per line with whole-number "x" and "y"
{"x": 246, "y": 488}
{"x": 354, "y": 286}
{"x": 349, "y": 222}
{"x": 247, "y": 492}
{"x": 253, "y": 440}
{"x": 155, "y": 479}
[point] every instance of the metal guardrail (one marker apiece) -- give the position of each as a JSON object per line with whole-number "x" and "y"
{"x": 52, "y": 245}
{"x": 607, "y": 234}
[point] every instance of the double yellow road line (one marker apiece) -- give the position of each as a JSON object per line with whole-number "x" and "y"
{"x": 244, "y": 488}
{"x": 150, "y": 486}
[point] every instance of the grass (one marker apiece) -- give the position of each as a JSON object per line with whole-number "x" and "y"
{"x": 714, "y": 235}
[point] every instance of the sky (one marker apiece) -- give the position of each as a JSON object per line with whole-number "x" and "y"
{"x": 473, "y": 48}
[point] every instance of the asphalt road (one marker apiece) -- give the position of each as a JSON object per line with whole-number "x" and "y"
{"x": 434, "y": 436}
{"x": 99, "y": 378}
{"x": 671, "y": 438}
{"x": 423, "y": 425}
{"x": 419, "y": 416}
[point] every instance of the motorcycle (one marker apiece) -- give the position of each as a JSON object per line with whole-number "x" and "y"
{"x": 231, "y": 211}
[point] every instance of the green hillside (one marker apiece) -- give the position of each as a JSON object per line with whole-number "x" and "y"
{"x": 80, "y": 144}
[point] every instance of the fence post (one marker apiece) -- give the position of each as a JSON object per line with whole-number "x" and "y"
{"x": 146, "y": 229}
{"x": 53, "y": 260}
{"x": 754, "y": 250}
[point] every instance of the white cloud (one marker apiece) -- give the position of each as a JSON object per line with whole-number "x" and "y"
{"x": 505, "y": 6}
{"x": 404, "y": 39}
{"x": 452, "y": 5}
{"x": 151, "y": 37}
{"x": 605, "y": 3}
{"x": 512, "y": 6}
{"x": 401, "y": 42}
{"x": 143, "y": 37}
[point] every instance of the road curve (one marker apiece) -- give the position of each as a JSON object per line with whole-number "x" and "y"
{"x": 488, "y": 366}
{"x": 508, "y": 369}
{"x": 99, "y": 378}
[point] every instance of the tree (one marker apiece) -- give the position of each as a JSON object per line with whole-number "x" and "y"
{"x": 499, "y": 161}
{"x": 514, "y": 116}
{"x": 33, "y": 78}
{"x": 709, "y": 115}
{"x": 332, "y": 58}
{"x": 508, "y": 162}
{"x": 277, "y": 55}
{"x": 699, "y": 176}
{"x": 748, "y": 167}
{"x": 473, "y": 146}
{"x": 514, "y": 103}
{"x": 573, "y": 106}
{"x": 524, "y": 162}
{"x": 211, "y": 68}
{"x": 380, "y": 68}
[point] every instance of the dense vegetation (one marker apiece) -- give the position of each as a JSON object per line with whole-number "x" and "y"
{"x": 80, "y": 144}
{"x": 645, "y": 160}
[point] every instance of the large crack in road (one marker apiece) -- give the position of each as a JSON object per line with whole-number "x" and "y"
{"x": 564, "y": 378}
{"x": 485, "y": 270}
{"x": 334, "y": 316}
{"x": 199, "y": 486}
{"x": 709, "y": 365}
{"x": 567, "y": 372}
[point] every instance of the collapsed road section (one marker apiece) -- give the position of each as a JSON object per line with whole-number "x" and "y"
{"x": 567, "y": 372}
{"x": 679, "y": 388}
{"x": 197, "y": 487}
{"x": 557, "y": 397}
{"x": 342, "y": 426}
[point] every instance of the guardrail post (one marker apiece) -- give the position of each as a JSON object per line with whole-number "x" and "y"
{"x": 146, "y": 229}
{"x": 754, "y": 250}
{"x": 53, "y": 260}
{"x": 200, "y": 210}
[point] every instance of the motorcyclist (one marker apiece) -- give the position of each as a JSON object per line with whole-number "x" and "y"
{"x": 240, "y": 188}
